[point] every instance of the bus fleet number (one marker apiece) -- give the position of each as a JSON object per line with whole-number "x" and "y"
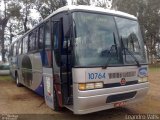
{"x": 94, "y": 76}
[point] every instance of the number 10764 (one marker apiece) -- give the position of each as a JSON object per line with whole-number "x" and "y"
{"x": 94, "y": 76}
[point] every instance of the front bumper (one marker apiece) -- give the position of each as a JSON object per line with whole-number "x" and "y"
{"x": 95, "y": 100}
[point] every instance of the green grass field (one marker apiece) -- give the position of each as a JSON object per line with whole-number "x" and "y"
{"x": 154, "y": 68}
{"x": 5, "y": 78}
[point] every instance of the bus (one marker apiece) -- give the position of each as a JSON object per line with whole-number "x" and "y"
{"x": 84, "y": 58}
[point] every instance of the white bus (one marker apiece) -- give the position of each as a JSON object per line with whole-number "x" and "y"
{"x": 84, "y": 58}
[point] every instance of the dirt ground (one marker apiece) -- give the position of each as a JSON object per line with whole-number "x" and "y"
{"x": 23, "y": 104}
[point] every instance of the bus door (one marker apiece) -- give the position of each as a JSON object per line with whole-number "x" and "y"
{"x": 47, "y": 66}
{"x": 62, "y": 64}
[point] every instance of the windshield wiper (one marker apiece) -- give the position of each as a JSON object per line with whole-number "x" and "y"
{"x": 126, "y": 49}
{"x": 110, "y": 51}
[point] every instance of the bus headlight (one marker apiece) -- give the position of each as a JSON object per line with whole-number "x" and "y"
{"x": 98, "y": 85}
{"x": 143, "y": 79}
{"x": 90, "y": 86}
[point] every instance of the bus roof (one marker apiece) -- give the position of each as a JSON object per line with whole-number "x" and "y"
{"x": 92, "y": 8}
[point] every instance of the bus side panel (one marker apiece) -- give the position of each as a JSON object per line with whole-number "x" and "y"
{"x": 37, "y": 70}
{"x": 31, "y": 72}
{"x": 48, "y": 87}
{"x": 48, "y": 79}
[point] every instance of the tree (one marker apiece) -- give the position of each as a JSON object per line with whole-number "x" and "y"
{"x": 12, "y": 10}
{"x": 25, "y": 11}
{"x": 46, "y": 7}
{"x": 83, "y": 2}
{"x": 3, "y": 22}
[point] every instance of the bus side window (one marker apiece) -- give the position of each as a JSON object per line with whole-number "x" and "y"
{"x": 40, "y": 41}
{"x": 32, "y": 39}
{"x": 11, "y": 50}
{"x": 20, "y": 47}
{"x": 17, "y": 48}
{"x": 55, "y": 35}
{"x": 47, "y": 35}
{"x": 25, "y": 44}
{"x": 14, "y": 49}
{"x": 56, "y": 42}
{"x": 36, "y": 41}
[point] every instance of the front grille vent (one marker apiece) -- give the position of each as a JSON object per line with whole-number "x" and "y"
{"x": 122, "y": 75}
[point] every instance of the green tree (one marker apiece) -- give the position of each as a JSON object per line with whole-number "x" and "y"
{"x": 83, "y": 2}
{"x": 4, "y": 17}
{"x": 46, "y": 7}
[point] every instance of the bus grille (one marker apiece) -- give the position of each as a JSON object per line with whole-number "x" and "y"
{"x": 120, "y": 97}
{"x": 110, "y": 85}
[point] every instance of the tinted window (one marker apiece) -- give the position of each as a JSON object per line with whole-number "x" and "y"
{"x": 14, "y": 49}
{"x": 47, "y": 35}
{"x": 32, "y": 41}
{"x": 55, "y": 35}
{"x": 11, "y": 50}
{"x": 41, "y": 33}
{"x": 4, "y": 67}
{"x": 36, "y": 42}
{"x": 20, "y": 47}
{"x": 25, "y": 44}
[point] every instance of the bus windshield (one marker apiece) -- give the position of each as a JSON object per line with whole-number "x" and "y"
{"x": 131, "y": 39}
{"x": 96, "y": 34}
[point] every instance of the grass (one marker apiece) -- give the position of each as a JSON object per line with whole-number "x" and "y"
{"x": 5, "y": 77}
{"x": 154, "y": 68}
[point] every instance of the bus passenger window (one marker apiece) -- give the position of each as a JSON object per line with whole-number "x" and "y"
{"x": 56, "y": 32}
{"x": 36, "y": 42}
{"x": 17, "y": 48}
{"x": 56, "y": 42}
{"x": 20, "y": 47}
{"x": 47, "y": 35}
{"x": 41, "y": 33}
{"x": 11, "y": 52}
{"x": 14, "y": 49}
{"x": 32, "y": 38}
{"x": 25, "y": 44}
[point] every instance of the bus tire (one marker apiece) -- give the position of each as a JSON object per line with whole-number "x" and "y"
{"x": 17, "y": 81}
